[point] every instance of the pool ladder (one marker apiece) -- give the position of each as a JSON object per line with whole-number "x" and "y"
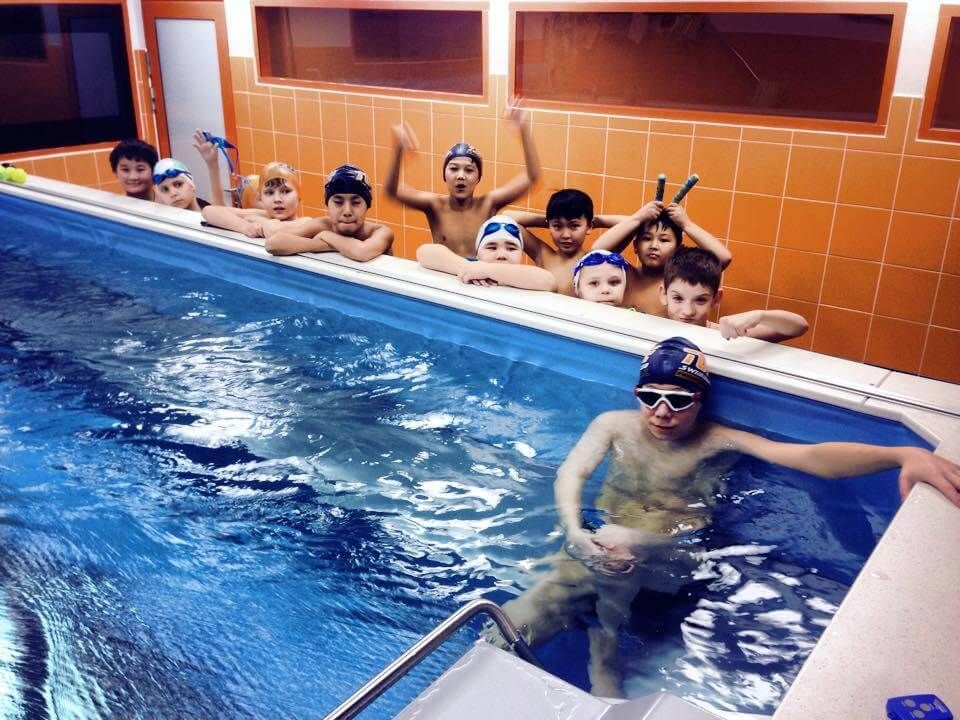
{"x": 378, "y": 685}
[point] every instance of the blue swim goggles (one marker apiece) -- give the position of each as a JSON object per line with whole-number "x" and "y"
{"x": 599, "y": 258}
{"x": 491, "y": 228}
{"x": 170, "y": 172}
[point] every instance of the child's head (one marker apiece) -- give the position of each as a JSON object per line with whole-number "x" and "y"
{"x": 173, "y": 184}
{"x": 347, "y": 195}
{"x": 601, "y": 277}
{"x": 462, "y": 168}
{"x": 691, "y": 286}
{"x": 279, "y": 191}
{"x": 132, "y": 161}
{"x": 656, "y": 242}
{"x": 673, "y": 385}
{"x": 500, "y": 240}
{"x": 569, "y": 217}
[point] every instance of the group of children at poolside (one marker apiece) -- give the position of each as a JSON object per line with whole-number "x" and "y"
{"x": 470, "y": 238}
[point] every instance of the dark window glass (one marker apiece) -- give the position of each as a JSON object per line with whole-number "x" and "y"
{"x": 818, "y": 65}
{"x": 64, "y": 77}
{"x": 946, "y": 112}
{"x": 434, "y": 50}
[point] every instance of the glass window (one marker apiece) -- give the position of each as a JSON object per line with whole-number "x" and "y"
{"x": 428, "y": 50}
{"x": 946, "y": 113}
{"x": 64, "y": 76}
{"x": 809, "y": 65}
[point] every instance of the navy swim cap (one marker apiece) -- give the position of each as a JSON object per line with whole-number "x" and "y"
{"x": 676, "y": 361}
{"x": 347, "y": 179}
{"x": 462, "y": 149}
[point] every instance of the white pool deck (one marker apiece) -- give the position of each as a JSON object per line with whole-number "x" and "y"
{"x": 898, "y": 630}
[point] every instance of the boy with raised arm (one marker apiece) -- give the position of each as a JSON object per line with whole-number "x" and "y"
{"x": 455, "y": 217}
{"x": 691, "y": 290}
{"x": 498, "y": 261}
{"x": 663, "y": 480}
{"x": 279, "y": 197}
{"x": 657, "y": 233}
{"x": 569, "y": 218}
{"x": 345, "y": 229}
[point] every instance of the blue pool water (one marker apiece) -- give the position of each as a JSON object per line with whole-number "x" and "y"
{"x": 230, "y": 489}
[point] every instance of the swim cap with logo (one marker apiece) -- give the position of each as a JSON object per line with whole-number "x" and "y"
{"x": 462, "y": 149}
{"x": 676, "y": 361}
{"x": 347, "y": 179}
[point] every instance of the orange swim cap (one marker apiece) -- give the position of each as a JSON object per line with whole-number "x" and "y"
{"x": 279, "y": 171}
{"x": 249, "y": 187}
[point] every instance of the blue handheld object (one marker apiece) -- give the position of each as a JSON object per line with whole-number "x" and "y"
{"x": 687, "y": 187}
{"x": 917, "y": 707}
{"x": 591, "y": 519}
{"x": 661, "y": 184}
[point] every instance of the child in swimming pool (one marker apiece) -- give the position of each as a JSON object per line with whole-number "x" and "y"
{"x": 499, "y": 254}
{"x": 657, "y": 233}
{"x": 691, "y": 290}
{"x": 600, "y": 276}
{"x": 455, "y": 217}
{"x": 279, "y": 195}
{"x": 132, "y": 162}
{"x": 663, "y": 479}
{"x": 345, "y": 229}
{"x": 569, "y": 218}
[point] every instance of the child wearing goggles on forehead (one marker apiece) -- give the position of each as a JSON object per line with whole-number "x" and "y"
{"x": 499, "y": 254}
{"x": 455, "y": 216}
{"x": 173, "y": 183}
{"x": 664, "y": 477}
{"x": 601, "y": 277}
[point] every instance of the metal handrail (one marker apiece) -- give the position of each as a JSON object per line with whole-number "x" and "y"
{"x": 357, "y": 702}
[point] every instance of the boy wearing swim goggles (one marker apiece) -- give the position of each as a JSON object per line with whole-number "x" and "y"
{"x": 656, "y": 232}
{"x": 600, "y": 276}
{"x": 691, "y": 290}
{"x": 499, "y": 256}
{"x": 455, "y": 217}
{"x": 345, "y": 229}
{"x": 665, "y": 472}
{"x": 173, "y": 182}
{"x": 279, "y": 194}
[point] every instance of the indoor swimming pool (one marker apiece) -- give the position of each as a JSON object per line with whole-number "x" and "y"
{"x": 234, "y": 489}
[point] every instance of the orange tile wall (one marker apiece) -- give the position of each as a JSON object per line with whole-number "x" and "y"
{"x": 858, "y": 234}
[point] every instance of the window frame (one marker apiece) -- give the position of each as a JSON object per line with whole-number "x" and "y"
{"x": 379, "y": 90}
{"x": 131, "y": 67}
{"x": 928, "y": 131}
{"x": 897, "y": 9}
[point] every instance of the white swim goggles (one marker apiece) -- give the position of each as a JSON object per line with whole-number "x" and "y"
{"x": 676, "y": 400}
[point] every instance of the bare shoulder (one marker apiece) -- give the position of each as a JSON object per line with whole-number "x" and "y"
{"x": 615, "y": 422}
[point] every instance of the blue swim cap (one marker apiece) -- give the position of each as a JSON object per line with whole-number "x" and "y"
{"x": 347, "y": 179}
{"x": 676, "y": 361}
{"x": 462, "y": 149}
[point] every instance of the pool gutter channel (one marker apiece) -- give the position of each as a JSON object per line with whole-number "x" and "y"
{"x": 866, "y": 653}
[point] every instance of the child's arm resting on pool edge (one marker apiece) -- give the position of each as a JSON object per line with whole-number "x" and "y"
{"x": 842, "y": 459}
{"x": 525, "y": 277}
{"x": 241, "y": 221}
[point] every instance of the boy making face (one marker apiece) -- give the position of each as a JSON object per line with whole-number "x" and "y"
{"x": 657, "y": 233}
{"x": 691, "y": 290}
{"x": 132, "y": 162}
{"x": 499, "y": 254}
{"x": 665, "y": 472}
{"x": 279, "y": 194}
{"x": 455, "y": 217}
{"x": 345, "y": 229}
